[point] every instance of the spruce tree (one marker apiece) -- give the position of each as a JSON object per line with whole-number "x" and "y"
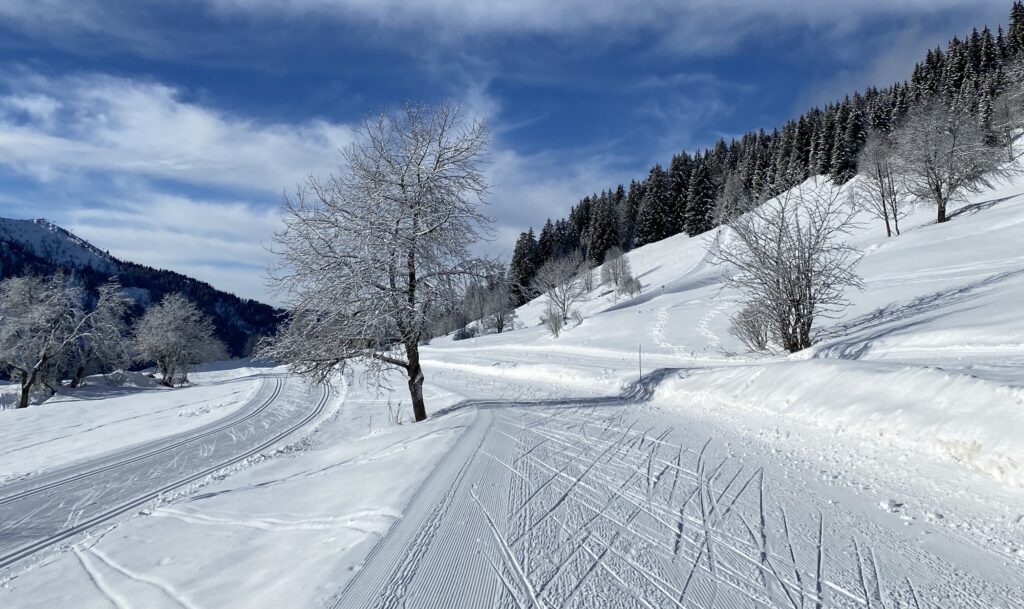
{"x": 1015, "y": 31}
{"x": 630, "y": 214}
{"x": 700, "y": 202}
{"x": 679, "y": 185}
{"x": 523, "y": 266}
{"x": 604, "y": 229}
{"x": 826, "y": 141}
{"x": 546, "y": 243}
{"x": 653, "y": 221}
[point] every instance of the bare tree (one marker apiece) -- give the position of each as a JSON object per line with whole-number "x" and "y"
{"x": 552, "y": 319}
{"x": 105, "y": 346}
{"x": 879, "y": 191}
{"x": 561, "y": 281}
{"x": 500, "y": 308}
{"x": 754, "y": 326}
{"x": 176, "y": 335}
{"x": 586, "y": 273}
{"x": 630, "y": 286}
{"x": 734, "y": 200}
{"x": 371, "y": 255}
{"x": 943, "y": 155}
{"x": 615, "y": 269}
{"x": 790, "y": 260}
{"x": 41, "y": 322}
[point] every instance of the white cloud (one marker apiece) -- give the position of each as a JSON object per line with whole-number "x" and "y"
{"x": 119, "y": 161}
{"x": 220, "y": 242}
{"x": 126, "y": 126}
{"x": 682, "y": 26}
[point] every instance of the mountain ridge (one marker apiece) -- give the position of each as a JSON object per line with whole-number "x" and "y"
{"x": 43, "y": 247}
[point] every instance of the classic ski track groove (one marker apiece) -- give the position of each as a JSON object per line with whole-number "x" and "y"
{"x": 575, "y": 504}
{"x": 160, "y": 445}
{"x": 26, "y": 551}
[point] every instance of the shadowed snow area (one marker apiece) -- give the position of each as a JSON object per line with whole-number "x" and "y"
{"x": 882, "y": 468}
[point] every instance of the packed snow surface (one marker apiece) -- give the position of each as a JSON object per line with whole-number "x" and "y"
{"x": 882, "y": 468}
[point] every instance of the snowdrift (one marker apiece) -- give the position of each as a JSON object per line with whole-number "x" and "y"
{"x": 950, "y": 415}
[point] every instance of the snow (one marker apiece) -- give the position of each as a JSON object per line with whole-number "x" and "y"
{"x": 898, "y": 439}
{"x": 930, "y": 355}
{"x": 51, "y": 242}
{"x": 99, "y": 418}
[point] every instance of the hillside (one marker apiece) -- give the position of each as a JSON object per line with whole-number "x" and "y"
{"x": 929, "y": 357}
{"x": 41, "y": 247}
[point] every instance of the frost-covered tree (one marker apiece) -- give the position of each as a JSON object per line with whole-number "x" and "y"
{"x": 616, "y": 268}
{"x": 790, "y": 260}
{"x": 368, "y": 255}
{"x": 943, "y": 155}
{"x": 42, "y": 320}
{"x": 561, "y": 282}
{"x": 735, "y": 199}
{"x": 175, "y": 335}
{"x": 105, "y": 346}
{"x": 880, "y": 191}
{"x": 500, "y": 311}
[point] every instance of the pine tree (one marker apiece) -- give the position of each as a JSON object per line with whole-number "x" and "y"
{"x": 654, "y": 220}
{"x": 679, "y": 185}
{"x": 955, "y": 69}
{"x": 700, "y": 201}
{"x": 1015, "y": 31}
{"x": 842, "y": 162}
{"x": 604, "y": 229}
{"x": 524, "y": 265}
{"x": 546, "y": 243}
{"x": 630, "y": 214}
{"x": 826, "y": 141}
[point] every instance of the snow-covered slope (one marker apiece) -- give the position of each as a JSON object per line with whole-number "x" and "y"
{"x": 46, "y": 240}
{"x": 930, "y": 355}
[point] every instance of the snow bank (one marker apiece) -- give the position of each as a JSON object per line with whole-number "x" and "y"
{"x": 969, "y": 420}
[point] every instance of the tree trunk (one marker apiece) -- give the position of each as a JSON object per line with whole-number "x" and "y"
{"x": 79, "y": 375}
{"x": 27, "y": 380}
{"x": 888, "y": 229}
{"x": 419, "y": 408}
{"x": 942, "y": 211}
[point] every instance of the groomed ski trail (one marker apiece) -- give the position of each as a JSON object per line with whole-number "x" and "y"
{"x": 594, "y": 502}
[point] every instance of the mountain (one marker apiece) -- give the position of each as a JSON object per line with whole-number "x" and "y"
{"x": 43, "y": 248}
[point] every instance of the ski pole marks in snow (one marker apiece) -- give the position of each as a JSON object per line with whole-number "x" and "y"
{"x": 590, "y": 503}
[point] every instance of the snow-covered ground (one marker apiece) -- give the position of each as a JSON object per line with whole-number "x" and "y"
{"x": 99, "y": 418}
{"x": 884, "y": 467}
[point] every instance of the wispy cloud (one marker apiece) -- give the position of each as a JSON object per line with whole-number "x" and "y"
{"x": 682, "y": 27}
{"x": 50, "y": 126}
{"x": 134, "y": 167}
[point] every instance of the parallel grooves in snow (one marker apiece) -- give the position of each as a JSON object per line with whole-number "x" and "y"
{"x": 120, "y": 508}
{"x": 62, "y": 477}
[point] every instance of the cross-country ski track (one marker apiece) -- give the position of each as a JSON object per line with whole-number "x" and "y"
{"x": 610, "y": 503}
{"x": 40, "y": 512}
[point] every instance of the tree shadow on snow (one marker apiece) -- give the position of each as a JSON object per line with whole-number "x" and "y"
{"x": 853, "y": 339}
{"x": 641, "y": 390}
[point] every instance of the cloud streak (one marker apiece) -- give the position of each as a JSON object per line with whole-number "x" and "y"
{"x": 137, "y": 169}
{"x": 86, "y": 123}
{"x": 690, "y": 27}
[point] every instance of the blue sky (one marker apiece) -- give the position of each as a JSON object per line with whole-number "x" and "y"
{"x": 166, "y": 131}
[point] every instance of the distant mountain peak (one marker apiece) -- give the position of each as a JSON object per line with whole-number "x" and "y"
{"x": 50, "y": 241}
{"x": 42, "y": 247}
